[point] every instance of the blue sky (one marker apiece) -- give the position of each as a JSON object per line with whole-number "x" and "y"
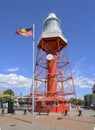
{"x": 77, "y": 24}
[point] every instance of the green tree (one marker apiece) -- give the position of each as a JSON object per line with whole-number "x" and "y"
{"x": 79, "y": 101}
{"x": 73, "y": 101}
{"x": 9, "y": 92}
{"x": 8, "y": 95}
{"x": 6, "y": 99}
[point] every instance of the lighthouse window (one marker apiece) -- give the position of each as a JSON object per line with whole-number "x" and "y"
{"x": 56, "y": 103}
{"x": 43, "y": 103}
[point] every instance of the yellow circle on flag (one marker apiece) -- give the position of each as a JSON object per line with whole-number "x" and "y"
{"x": 23, "y": 30}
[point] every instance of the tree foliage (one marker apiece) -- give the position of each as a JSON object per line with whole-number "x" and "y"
{"x": 79, "y": 101}
{"x": 9, "y": 92}
{"x": 8, "y": 95}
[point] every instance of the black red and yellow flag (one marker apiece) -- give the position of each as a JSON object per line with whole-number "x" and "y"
{"x": 25, "y": 32}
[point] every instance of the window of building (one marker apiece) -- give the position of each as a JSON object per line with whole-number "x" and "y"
{"x": 56, "y": 103}
{"x": 43, "y": 103}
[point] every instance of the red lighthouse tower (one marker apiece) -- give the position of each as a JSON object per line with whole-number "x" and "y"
{"x": 53, "y": 78}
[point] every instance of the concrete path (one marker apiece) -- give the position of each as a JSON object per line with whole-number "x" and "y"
{"x": 54, "y": 121}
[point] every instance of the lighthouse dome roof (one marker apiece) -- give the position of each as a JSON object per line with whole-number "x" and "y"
{"x": 51, "y": 15}
{"x": 51, "y": 27}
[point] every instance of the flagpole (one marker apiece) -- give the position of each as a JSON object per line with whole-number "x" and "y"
{"x": 33, "y": 43}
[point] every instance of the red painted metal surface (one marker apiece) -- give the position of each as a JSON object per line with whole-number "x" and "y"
{"x": 53, "y": 78}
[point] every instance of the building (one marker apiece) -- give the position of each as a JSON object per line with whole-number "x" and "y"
{"x": 1, "y": 92}
{"x": 90, "y": 98}
{"x": 23, "y": 100}
{"x": 93, "y": 95}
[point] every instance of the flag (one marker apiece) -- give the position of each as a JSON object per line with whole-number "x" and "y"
{"x": 25, "y": 32}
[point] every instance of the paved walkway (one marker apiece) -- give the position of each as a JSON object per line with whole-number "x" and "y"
{"x": 55, "y": 121}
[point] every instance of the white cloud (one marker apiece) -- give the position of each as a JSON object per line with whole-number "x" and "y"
{"x": 82, "y": 79}
{"x": 84, "y": 82}
{"x": 12, "y": 69}
{"x": 14, "y": 81}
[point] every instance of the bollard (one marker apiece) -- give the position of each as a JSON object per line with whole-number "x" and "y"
{"x": 2, "y": 113}
{"x": 80, "y": 113}
{"x": 25, "y": 112}
{"x": 66, "y": 113}
{"x": 13, "y": 113}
